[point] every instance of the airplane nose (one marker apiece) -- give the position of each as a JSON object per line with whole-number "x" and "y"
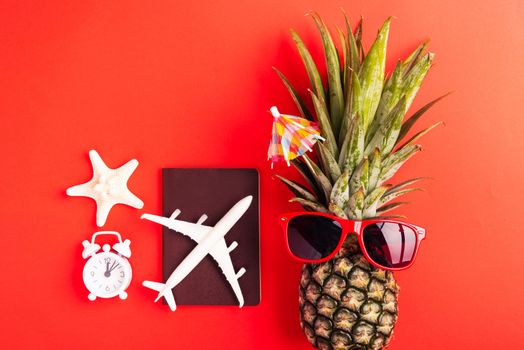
{"x": 246, "y": 201}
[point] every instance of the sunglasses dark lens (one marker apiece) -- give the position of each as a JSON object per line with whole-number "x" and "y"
{"x": 390, "y": 244}
{"x": 313, "y": 237}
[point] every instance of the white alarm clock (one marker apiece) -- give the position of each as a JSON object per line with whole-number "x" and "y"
{"x": 107, "y": 274}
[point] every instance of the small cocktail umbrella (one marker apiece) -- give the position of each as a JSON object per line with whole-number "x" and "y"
{"x": 291, "y": 137}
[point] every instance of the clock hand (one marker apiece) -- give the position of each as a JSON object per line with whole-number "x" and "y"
{"x": 112, "y": 268}
{"x": 107, "y": 273}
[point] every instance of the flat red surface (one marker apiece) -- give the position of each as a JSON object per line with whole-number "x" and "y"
{"x": 188, "y": 84}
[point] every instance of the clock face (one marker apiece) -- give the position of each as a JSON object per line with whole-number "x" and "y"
{"x": 107, "y": 274}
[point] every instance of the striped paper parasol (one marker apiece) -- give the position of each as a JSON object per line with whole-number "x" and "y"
{"x": 291, "y": 137}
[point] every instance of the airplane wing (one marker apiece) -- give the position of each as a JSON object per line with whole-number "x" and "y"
{"x": 196, "y": 231}
{"x": 220, "y": 252}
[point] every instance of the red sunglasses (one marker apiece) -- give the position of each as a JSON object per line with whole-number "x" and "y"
{"x": 316, "y": 237}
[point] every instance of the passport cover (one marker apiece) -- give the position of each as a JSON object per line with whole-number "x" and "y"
{"x": 212, "y": 192}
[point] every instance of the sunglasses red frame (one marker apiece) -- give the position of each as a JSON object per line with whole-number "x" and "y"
{"x": 355, "y": 227}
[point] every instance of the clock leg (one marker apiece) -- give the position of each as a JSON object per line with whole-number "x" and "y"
{"x": 91, "y": 297}
{"x": 123, "y": 295}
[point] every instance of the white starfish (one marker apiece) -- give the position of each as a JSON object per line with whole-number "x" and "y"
{"x": 107, "y": 187}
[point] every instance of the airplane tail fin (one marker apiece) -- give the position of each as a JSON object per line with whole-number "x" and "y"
{"x": 163, "y": 291}
{"x": 154, "y": 285}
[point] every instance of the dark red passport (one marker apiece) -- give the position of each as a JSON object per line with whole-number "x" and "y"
{"x": 212, "y": 192}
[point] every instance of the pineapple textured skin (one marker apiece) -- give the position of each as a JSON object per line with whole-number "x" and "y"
{"x": 347, "y": 303}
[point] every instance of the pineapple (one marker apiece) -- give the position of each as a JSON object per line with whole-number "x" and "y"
{"x": 346, "y": 303}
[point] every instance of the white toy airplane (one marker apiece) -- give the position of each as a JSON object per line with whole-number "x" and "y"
{"x": 210, "y": 241}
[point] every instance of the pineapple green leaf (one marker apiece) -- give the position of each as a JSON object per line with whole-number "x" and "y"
{"x": 322, "y": 163}
{"x": 329, "y": 163}
{"x": 356, "y": 205}
{"x": 358, "y": 40}
{"x": 340, "y": 192}
{"x": 372, "y": 75}
{"x": 354, "y": 150}
{"x": 420, "y": 134}
{"x": 354, "y": 57}
{"x": 416, "y": 116}
{"x": 352, "y": 108}
{"x": 321, "y": 179}
{"x": 336, "y": 96}
{"x": 355, "y": 102}
{"x": 413, "y": 80}
{"x": 394, "y": 161}
{"x": 404, "y": 184}
{"x": 360, "y": 177}
{"x": 311, "y": 67}
{"x": 303, "y": 170}
{"x": 347, "y": 112}
{"x": 345, "y": 58}
{"x": 393, "y": 81}
{"x": 398, "y": 85}
{"x": 374, "y": 168}
{"x": 324, "y": 123}
{"x": 372, "y": 201}
{"x": 387, "y": 133}
{"x": 397, "y": 193}
{"x": 393, "y": 127}
{"x": 297, "y": 189}
{"x": 409, "y": 62}
{"x": 314, "y": 206}
{"x": 304, "y": 111}
{"x": 356, "y": 145}
{"x": 335, "y": 209}
{"x": 385, "y": 208}
{"x": 390, "y": 97}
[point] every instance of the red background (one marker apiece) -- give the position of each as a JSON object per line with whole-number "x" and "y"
{"x": 188, "y": 84}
